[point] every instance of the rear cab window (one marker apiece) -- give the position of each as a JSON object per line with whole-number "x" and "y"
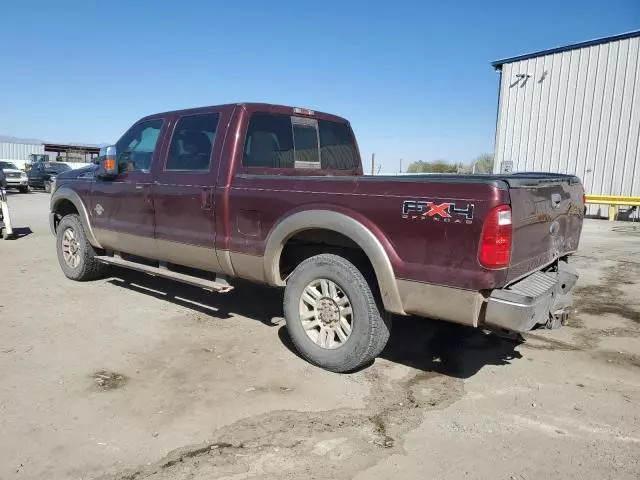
{"x": 291, "y": 142}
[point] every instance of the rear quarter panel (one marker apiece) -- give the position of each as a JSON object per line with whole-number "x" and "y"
{"x": 421, "y": 248}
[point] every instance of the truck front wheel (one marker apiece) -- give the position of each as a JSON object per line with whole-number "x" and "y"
{"x": 75, "y": 254}
{"x": 332, "y": 315}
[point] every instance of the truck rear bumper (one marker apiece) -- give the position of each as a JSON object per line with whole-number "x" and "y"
{"x": 542, "y": 298}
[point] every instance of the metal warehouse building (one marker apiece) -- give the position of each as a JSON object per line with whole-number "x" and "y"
{"x": 574, "y": 109}
{"x": 19, "y": 150}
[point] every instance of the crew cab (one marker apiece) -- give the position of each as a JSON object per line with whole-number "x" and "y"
{"x": 15, "y": 178}
{"x": 277, "y": 195}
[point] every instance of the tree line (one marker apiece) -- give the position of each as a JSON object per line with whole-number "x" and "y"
{"x": 482, "y": 164}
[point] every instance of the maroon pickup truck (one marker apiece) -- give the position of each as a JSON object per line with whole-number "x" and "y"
{"x": 277, "y": 195}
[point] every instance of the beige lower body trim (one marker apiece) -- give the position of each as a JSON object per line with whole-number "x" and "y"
{"x": 193, "y": 256}
{"x": 184, "y": 254}
{"x": 249, "y": 267}
{"x": 127, "y": 243}
{"x": 442, "y": 303}
{"x": 224, "y": 259}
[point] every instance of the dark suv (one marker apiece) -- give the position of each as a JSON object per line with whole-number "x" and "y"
{"x": 42, "y": 174}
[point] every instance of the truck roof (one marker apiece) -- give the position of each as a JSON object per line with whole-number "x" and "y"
{"x": 267, "y": 107}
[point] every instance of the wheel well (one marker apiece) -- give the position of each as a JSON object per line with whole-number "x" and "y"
{"x": 63, "y": 208}
{"x": 308, "y": 243}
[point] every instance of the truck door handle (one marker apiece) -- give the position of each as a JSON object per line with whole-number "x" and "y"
{"x": 146, "y": 194}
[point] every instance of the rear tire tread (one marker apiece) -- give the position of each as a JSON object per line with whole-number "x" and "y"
{"x": 371, "y": 338}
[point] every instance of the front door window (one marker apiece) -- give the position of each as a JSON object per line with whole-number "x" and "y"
{"x": 136, "y": 147}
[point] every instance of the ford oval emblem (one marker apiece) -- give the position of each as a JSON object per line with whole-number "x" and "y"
{"x": 554, "y": 228}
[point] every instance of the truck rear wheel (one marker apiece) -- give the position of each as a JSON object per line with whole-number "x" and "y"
{"x": 332, "y": 315}
{"x": 75, "y": 254}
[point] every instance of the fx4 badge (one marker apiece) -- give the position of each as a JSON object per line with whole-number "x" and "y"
{"x": 448, "y": 212}
{"x": 98, "y": 209}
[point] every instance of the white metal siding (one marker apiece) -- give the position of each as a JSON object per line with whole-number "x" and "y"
{"x": 578, "y": 112}
{"x": 18, "y": 151}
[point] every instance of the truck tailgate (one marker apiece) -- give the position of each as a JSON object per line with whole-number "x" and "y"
{"x": 547, "y": 214}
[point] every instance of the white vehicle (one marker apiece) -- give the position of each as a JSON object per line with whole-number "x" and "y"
{"x": 15, "y": 177}
{"x": 6, "y": 232}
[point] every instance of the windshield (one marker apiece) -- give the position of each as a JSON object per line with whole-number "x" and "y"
{"x": 8, "y": 166}
{"x": 58, "y": 168}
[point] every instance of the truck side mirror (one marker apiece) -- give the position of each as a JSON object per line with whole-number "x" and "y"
{"x": 107, "y": 163}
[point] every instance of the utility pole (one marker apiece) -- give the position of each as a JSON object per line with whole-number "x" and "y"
{"x": 400, "y": 166}
{"x": 373, "y": 164}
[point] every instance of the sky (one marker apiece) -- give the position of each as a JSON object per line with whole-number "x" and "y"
{"x": 413, "y": 77}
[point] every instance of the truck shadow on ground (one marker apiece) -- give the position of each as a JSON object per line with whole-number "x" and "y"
{"x": 454, "y": 350}
{"x": 423, "y": 344}
{"x": 257, "y": 302}
{"x": 441, "y": 347}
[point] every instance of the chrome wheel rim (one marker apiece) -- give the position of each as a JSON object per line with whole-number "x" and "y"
{"x": 70, "y": 248}
{"x": 326, "y": 314}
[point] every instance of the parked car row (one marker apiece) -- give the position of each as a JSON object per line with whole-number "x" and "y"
{"x": 41, "y": 175}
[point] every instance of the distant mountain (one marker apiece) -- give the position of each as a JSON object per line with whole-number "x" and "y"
{"x": 32, "y": 141}
{"x": 10, "y": 139}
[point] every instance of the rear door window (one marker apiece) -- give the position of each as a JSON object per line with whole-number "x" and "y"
{"x": 192, "y": 143}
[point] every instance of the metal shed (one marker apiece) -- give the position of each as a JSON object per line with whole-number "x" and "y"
{"x": 19, "y": 150}
{"x": 574, "y": 109}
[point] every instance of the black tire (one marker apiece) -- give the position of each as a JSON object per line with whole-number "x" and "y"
{"x": 24, "y": 189}
{"x": 47, "y": 186}
{"x": 371, "y": 325}
{"x": 88, "y": 267}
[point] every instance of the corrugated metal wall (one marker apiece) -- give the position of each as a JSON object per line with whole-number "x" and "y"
{"x": 18, "y": 151}
{"x": 576, "y": 111}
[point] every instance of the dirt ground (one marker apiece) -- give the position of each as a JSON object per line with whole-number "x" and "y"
{"x": 137, "y": 378}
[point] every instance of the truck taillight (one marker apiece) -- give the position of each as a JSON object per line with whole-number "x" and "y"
{"x": 495, "y": 242}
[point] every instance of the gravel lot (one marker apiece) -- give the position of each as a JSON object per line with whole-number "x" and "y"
{"x": 134, "y": 377}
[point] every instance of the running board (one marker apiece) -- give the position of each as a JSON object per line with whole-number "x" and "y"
{"x": 219, "y": 285}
